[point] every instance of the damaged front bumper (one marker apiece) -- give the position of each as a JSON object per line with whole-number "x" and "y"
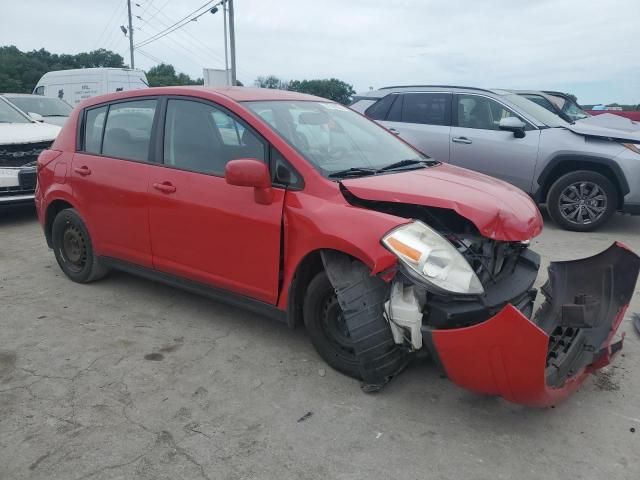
{"x": 540, "y": 362}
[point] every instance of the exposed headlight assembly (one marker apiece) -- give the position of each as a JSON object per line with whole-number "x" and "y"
{"x": 433, "y": 258}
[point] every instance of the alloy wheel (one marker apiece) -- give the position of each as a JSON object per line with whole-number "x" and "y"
{"x": 582, "y": 202}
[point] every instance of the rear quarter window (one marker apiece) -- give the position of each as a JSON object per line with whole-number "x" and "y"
{"x": 93, "y": 128}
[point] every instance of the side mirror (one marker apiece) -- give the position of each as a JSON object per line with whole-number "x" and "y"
{"x": 250, "y": 172}
{"x": 36, "y": 116}
{"x": 513, "y": 124}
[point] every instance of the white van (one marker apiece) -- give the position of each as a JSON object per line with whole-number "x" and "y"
{"x": 73, "y": 86}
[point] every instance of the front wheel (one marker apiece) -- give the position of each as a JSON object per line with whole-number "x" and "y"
{"x": 73, "y": 248}
{"x": 581, "y": 201}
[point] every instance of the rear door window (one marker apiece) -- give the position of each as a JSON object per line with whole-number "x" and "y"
{"x": 128, "y": 130}
{"x": 427, "y": 108}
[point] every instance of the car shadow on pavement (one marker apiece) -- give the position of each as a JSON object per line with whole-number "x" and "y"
{"x": 17, "y": 215}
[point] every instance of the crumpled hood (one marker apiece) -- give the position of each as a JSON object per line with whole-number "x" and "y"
{"x": 499, "y": 210}
{"x": 607, "y": 126}
{"x": 15, "y": 133}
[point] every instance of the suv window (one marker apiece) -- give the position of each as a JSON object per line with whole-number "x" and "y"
{"x": 378, "y": 111}
{"x": 426, "y": 108}
{"x": 202, "y": 138}
{"x": 475, "y": 111}
{"x": 128, "y": 130}
{"x": 93, "y": 127}
{"x": 540, "y": 100}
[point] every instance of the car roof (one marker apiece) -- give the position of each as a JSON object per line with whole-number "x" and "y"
{"x": 383, "y": 91}
{"x": 238, "y": 94}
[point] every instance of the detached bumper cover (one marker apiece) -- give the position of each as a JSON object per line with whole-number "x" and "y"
{"x": 540, "y": 362}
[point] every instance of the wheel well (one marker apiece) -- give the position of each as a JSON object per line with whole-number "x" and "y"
{"x": 307, "y": 269}
{"x": 53, "y": 209}
{"x": 568, "y": 166}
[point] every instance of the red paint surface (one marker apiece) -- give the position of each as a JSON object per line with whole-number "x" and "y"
{"x": 631, "y": 115}
{"x": 499, "y": 210}
{"x": 506, "y": 356}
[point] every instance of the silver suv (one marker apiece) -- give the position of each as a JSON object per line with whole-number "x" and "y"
{"x": 583, "y": 172}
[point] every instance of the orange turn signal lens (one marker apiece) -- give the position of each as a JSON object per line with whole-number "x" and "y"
{"x": 404, "y": 249}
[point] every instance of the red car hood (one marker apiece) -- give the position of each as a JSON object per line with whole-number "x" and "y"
{"x": 499, "y": 210}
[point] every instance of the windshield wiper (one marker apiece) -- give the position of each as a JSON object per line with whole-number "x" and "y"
{"x": 353, "y": 172}
{"x": 407, "y": 163}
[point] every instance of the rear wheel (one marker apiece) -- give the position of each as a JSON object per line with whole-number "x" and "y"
{"x": 73, "y": 248}
{"x": 581, "y": 201}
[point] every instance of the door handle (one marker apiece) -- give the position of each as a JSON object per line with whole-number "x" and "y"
{"x": 461, "y": 140}
{"x": 394, "y": 131}
{"x": 165, "y": 187}
{"x": 83, "y": 170}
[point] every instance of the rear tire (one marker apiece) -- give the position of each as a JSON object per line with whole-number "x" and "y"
{"x": 582, "y": 201}
{"x": 73, "y": 248}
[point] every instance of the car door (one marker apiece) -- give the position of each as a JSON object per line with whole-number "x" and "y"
{"x": 109, "y": 177}
{"x": 424, "y": 120}
{"x": 478, "y": 144}
{"x": 201, "y": 227}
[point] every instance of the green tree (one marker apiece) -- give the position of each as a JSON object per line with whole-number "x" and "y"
{"x": 164, "y": 75}
{"x": 332, "y": 88}
{"x": 20, "y": 71}
{"x": 271, "y": 81}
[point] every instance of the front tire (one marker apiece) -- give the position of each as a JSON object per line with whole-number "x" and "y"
{"x": 73, "y": 248}
{"x": 581, "y": 201}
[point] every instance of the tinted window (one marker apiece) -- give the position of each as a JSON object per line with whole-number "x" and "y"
{"x": 427, "y": 108}
{"x": 93, "y": 126}
{"x": 203, "y": 138}
{"x": 543, "y": 102}
{"x": 128, "y": 130}
{"x": 475, "y": 111}
{"x": 378, "y": 111}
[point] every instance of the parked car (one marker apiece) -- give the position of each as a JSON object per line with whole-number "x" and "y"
{"x": 39, "y": 108}
{"x": 556, "y": 102}
{"x": 317, "y": 215}
{"x": 21, "y": 141}
{"x": 76, "y": 85}
{"x": 583, "y": 171}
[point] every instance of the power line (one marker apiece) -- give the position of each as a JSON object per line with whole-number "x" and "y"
{"x": 108, "y": 24}
{"x": 193, "y": 57}
{"x": 179, "y": 24}
{"x": 205, "y": 49}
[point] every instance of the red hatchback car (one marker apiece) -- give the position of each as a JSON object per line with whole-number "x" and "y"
{"x": 297, "y": 207}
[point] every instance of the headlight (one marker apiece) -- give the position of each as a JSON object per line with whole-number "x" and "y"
{"x": 433, "y": 258}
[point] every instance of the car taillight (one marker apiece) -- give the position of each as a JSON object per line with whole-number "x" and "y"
{"x": 46, "y": 157}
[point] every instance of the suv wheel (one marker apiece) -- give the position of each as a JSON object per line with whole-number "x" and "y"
{"x": 73, "y": 248}
{"x": 581, "y": 201}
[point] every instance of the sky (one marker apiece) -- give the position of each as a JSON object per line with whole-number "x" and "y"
{"x": 590, "y": 48}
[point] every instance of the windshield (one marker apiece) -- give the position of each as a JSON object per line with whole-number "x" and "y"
{"x": 47, "y": 107}
{"x": 334, "y": 138}
{"x": 8, "y": 114}
{"x": 574, "y": 111}
{"x": 534, "y": 110}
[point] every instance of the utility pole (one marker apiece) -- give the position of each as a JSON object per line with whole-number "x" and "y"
{"x": 226, "y": 49}
{"x": 130, "y": 33}
{"x": 232, "y": 43}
